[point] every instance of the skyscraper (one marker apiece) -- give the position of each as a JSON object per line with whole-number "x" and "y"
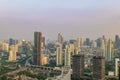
{"x": 43, "y": 40}
{"x": 117, "y": 42}
{"x": 98, "y": 68}
{"x": 12, "y": 53}
{"x": 87, "y": 42}
{"x": 116, "y": 66}
{"x": 4, "y": 46}
{"x": 59, "y": 59}
{"x": 104, "y": 46}
{"x": 78, "y": 66}
{"x": 72, "y": 49}
{"x": 105, "y": 50}
{"x": 110, "y": 50}
{"x": 12, "y": 41}
{"x": 38, "y": 48}
{"x": 102, "y": 43}
{"x": 60, "y": 38}
{"x": 67, "y": 56}
{"x": 78, "y": 42}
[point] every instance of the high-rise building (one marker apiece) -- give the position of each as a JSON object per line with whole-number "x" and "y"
{"x": 116, "y": 66}
{"x": 60, "y": 38}
{"x": 72, "y": 48}
{"x": 110, "y": 50}
{"x": 104, "y": 46}
{"x": 87, "y": 42}
{"x": 79, "y": 42}
{"x": 4, "y": 46}
{"x": 14, "y": 48}
{"x": 98, "y": 68}
{"x": 43, "y": 40}
{"x": 38, "y": 48}
{"x": 12, "y": 55}
{"x": 67, "y": 56}
{"x": 98, "y": 41}
{"x": 102, "y": 43}
{"x": 12, "y": 41}
{"x": 117, "y": 42}
{"x": 59, "y": 56}
{"x": 78, "y": 66}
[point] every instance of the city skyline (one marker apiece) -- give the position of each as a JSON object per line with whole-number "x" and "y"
{"x": 20, "y": 19}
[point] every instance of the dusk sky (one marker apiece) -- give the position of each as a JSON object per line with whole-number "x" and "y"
{"x": 72, "y": 18}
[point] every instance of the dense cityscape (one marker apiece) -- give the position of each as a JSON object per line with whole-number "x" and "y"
{"x": 59, "y": 39}
{"x": 74, "y": 59}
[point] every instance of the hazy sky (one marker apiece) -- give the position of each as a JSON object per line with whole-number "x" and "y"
{"x": 73, "y": 18}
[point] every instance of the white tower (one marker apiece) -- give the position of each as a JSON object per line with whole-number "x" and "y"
{"x": 67, "y": 56}
{"x": 116, "y": 66}
{"x": 59, "y": 60}
{"x": 110, "y": 50}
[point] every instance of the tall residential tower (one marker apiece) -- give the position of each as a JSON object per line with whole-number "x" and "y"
{"x": 98, "y": 68}
{"x": 38, "y": 48}
{"x": 78, "y": 66}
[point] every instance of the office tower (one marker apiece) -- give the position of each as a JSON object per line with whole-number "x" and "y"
{"x": 116, "y": 66}
{"x": 98, "y": 42}
{"x": 60, "y": 38}
{"x": 98, "y": 68}
{"x": 12, "y": 41}
{"x": 4, "y": 46}
{"x": 43, "y": 40}
{"x": 12, "y": 55}
{"x": 87, "y": 43}
{"x": 110, "y": 50}
{"x": 59, "y": 59}
{"x": 67, "y": 56}
{"x": 104, "y": 47}
{"x": 72, "y": 49}
{"x": 79, "y": 42}
{"x": 64, "y": 44}
{"x": 78, "y": 66}
{"x": 102, "y": 43}
{"x": 38, "y": 48}
{"x": 117, "y": 42}
{"x": 77, "y": 45}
